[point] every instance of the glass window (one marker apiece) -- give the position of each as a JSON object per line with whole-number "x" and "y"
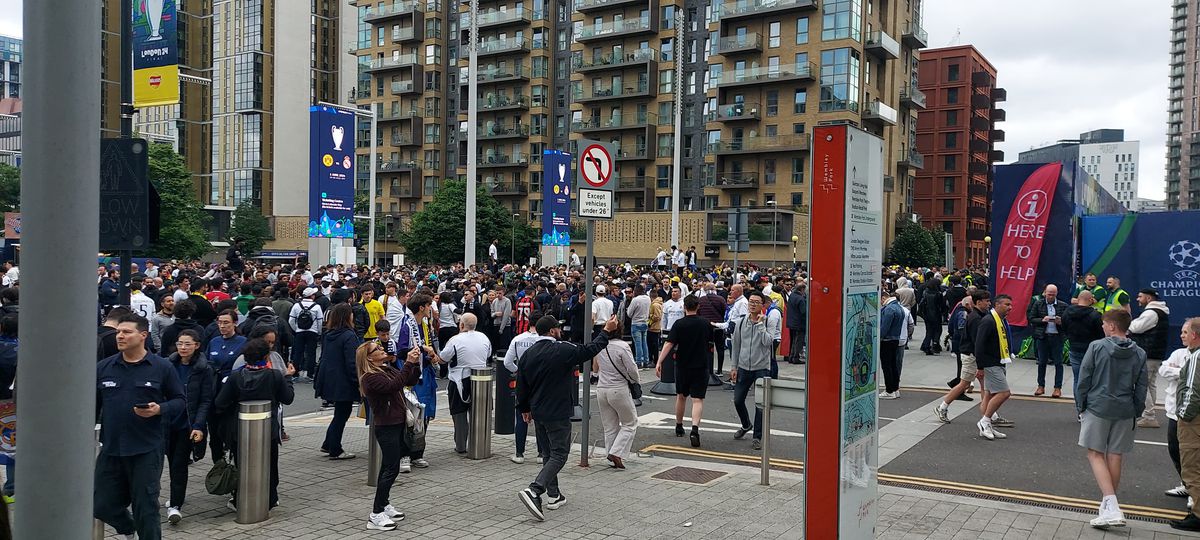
{"x": 839, "y": 79}
{"x": 797, "y": 170}
{"x": 948, "y": 207}
{"x": 950, "y": 163}
{"x": 952, "y": 72}
{"x": 773, "y": 34}
{"x": 802, "y": 31}
{"x": 665, "y": 79}
{"x": 772, "y": 102}
{"x": 948, "y": 184}
{"x": 951, "y": 118}
{"x": 800, "y": 104}
{"x": 952, "y": 139}
{"x": 842, "y": 20}
{"x": 951, "y": 95}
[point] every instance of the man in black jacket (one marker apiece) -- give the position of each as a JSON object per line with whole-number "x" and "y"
{"x": 932, "y": 308}
{"x": 544, "y": 388}
{"x": 1045, "y": 318}
{"x": 1082, "y": 325}
{"x": 993, "y": 351}
{"x": 980, "y": 304}
{"x": 797, "y": 322}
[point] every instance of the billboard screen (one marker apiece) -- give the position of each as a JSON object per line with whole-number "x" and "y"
{"x": 331, "y": 173}
{"x": 556, "y": 198}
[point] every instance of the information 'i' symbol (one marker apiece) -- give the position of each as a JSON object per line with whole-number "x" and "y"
{"x": 1031, "y": 211}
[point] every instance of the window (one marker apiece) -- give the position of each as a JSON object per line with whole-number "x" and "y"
{"x": 951, "y": 95}
{"x": 951, "y": 118}
{"x": 839, "y": 79}
{"x": 665, "y": 78}
{"x": 843, "y": 20}
{"x": 797, "y": 170}
{"x": 948, "y": 207}
{"x": 952, "y": 139}
{"x": 798, "y": 128}
{"x": 668, "y": 17}
{"x": 950, "y": 163}
{"x": 798, "y": 199}
{"x": 948, "y": 184}
{"x": 772, "y": 103}
{"x": 952, "y": 72}
{"x": 802, "y": 31}
{"x": 773, "y": 34}
{"x": 800, "y": 104}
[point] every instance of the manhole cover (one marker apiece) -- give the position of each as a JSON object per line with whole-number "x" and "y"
{"x": 690, "y": 475}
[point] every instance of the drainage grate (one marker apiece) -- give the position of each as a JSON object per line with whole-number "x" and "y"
{"x": 689, "y": 475}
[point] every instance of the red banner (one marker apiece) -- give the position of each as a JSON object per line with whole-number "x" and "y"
{"x": 1021, "y": 243}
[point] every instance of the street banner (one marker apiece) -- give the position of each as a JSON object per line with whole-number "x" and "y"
{"x": 331, "y": 173}
{"x": 556, "y": 198}
{"x": 12, "y": 225}
{"x": 1159, "y": 250}
{"x": 842, "y": 467}
{"x": 155, "y": 53}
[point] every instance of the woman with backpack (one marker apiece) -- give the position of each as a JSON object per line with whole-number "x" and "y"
{"x": 382, "y": 385}
{"x": 337, "y": 380}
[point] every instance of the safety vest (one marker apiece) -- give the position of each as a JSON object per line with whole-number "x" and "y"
{"x": 1113, "y": 300}
{"x": 1100, "y": 295}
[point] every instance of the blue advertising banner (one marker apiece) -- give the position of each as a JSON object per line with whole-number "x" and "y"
{"x": 556, "y": 198}
{"x": 331, "y": 173}
{"x": 155, "y": 53}
{"x": 1160, "y": 250}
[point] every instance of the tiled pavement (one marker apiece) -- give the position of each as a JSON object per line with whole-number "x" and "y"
{"x": 457, "y": 498}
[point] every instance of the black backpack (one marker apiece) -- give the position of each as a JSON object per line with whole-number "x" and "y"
{"x": 305, "y": 319}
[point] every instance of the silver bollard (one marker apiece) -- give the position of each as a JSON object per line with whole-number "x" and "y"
{"x": 766, "y": 436}
{"x": 97, "y": 525}
{"x": 374, "y": 456}
{"x": 479, "y": 439}
{"x": 254, "y": 461}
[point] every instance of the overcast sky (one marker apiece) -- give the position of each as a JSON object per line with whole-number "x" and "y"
{"x": 1069, "y": 67}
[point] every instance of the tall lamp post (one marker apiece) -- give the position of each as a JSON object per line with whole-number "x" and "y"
{"x": 512, "y": 246}
{"x": 774, "y": 231}
{"x": 389, "y": 221}
{"x": 987, "y": 250}
{"x": 794, "y": 240}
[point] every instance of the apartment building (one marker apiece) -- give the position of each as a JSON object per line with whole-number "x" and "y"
{"x": 1183, "y": 141}
{"x": 957, "y": 135}
{"x": 10, "y": 67}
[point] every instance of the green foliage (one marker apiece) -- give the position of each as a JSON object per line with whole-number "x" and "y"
{"x": 436, "y": 234}
{"x": 250, "y": 227}
{"x": 10, "y": 188}
{"x": 183, "y": 232}
{"x": 915, "y": 246}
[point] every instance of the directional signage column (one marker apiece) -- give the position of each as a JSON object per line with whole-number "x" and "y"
{"x": 596, "y": 180}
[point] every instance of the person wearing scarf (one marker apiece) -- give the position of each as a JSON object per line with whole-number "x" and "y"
{"x": 992, "y": 354}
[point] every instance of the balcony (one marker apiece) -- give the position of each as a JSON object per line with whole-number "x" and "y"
{"x": 407, "y": 35}
{"x": 739, "y": 44}
{"x": 767, "y": 74}
{"x": 395, "y": 62}
{"x": 498, "y": 18}
{"x": 493, "y": 74}
{"x": 979, "y": 167}
{"x": 732, "y": 180}
{"x": 627, "y": 27}
{"x": 401, "y": 88}
{"x": 998, "y": 115}
{"x": 507, "y": 188}
{"x": 609, "y": 92}
{"x": 493, "y": 102}
{"x": 975, "y": 189}
{"x": 616, "y": 121}
{"x": 981, "y": 101}
{"x": 999, "y": 94}
{"x": 878, "y": 111}
{"x": 914, "y": 36}
{"x": 981, "y": 146}
{"x": 397, "y": 9}
{"x": 912, "y": 97}
{"x": 912, "y": 159}
{"x": 633, "y": 183}
{"x": 494, "y": 46}
{"x": 405, "y": 139}
{"x": 493, "y": 130}
{"x": 1176, "y": 83}
{"x": 587, "y": 6}
{"x": 612, "y": 61}
{"x": 760, "y": 145}
{"x": 406, "y": 190}
{"x": 740, "y": 9}
{"x": 733, "y": 112}
{"x": 398, "y": 167}
{"x": 981, "y": 78}
{"x": 997, "y": 135}
{"x": 399, "y": 114}
{"x": 1179, "y": 24}
{"x": 1175, "y": 106}
{"x": 997, "y": 156}
{"x": 882, "y": 45}
{"x": 493, "y": 159}
{"x": 978, "y": 212}
{"x": 981, "y": 123}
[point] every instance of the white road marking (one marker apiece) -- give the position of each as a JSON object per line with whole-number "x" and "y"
{"x": 658, "y": 420}
{"x": 1155, "y": 443}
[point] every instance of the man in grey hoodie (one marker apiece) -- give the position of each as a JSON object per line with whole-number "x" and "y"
{"x": 1112, "y": 395}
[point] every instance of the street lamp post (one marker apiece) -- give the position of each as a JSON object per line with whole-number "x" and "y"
{"x": 512, "y": 246}
{"x": 987, "y": 250}
{"x": 794, "y": 240}
{"x": 774, "y": 231}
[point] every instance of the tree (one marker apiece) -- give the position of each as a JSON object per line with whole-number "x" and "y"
{"x": 914, "y": 246}
{"x": 250, "y": 228}
{"x": 183, "y": 232}
{"x": 436, "y": 233}
{"x": 10, "y": 188}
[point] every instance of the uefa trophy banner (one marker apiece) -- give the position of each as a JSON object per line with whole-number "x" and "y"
{"x": 331, "y": 173}
{"x": 155, "y": 53}
{"x": 556, "y": 198}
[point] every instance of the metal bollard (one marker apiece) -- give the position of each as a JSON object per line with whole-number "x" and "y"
{"x": 479, "y": 440}
{"x": 506, "y": 400}
{"x": 374, "y": 456}
{"x": 766, "y": 436}
{"x": 97, "y": 525}
{"x": 254, "y": 461}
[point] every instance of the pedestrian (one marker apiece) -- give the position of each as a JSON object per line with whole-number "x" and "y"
{"x": 654, "y": 329}
{"x": 382, "y": 385}
{"x": 932, "y": 309}
{"x": 307, "y": 319}
{"x": 1112, "y": 391}
{"x": 797, "y": 322}
{"x": 512, "y": 359}
{"x": 222, "y": 351}
{"x": 1187, "y": 409}
{"x": 616, "y": 371}
{"x": 184, "y": 312}
{"x": 421, "y": 333}
{"x": 160, "y": 320}
{"x": 133, "y": 420}
{"x": 1045, "y": 318}
{"x": 1169, "y": 372}
{"x": 1082, "y": 325}
{"x": 750, "y": 355}
{"x": 992, "y": 354}
{"x": 892, "y": 323}
{"x": 257, "y": 381}
{"x": 639, "y": 317}
{"x": 544, "y": 386}
{"x": 690, "y": 344}
{"x": 973, "y": 312}
{"x": 337, "y": 380}
{"x": 466, "y": 351}
{"x": 9, "y": 349}
{"x": 373, "y": 308}
{"x": 1149, "y": 330}
{"x": 1116, "y": 297}
{"x": 187, "y": 430}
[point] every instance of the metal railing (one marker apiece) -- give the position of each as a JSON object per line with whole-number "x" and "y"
{"x": 745, "y": 42}
{"x": 615, "y": 59}
{"x": 618, "y": 120}
{"x": 605, "y": 91}
{"x": 735, "y": 111}
{"x": 615, "y": 28}
{"x": 766, "y": 74}
{"x": 396, "y": 61}
{"x": 496, "y": 45}
{"x": 778, "y": 143}
{"x": 750, "y": 7}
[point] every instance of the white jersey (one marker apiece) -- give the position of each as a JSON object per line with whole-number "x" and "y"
{"x": 141, "y": 304}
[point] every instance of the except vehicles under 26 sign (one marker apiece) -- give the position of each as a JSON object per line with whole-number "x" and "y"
{"x": 596, "y": 180}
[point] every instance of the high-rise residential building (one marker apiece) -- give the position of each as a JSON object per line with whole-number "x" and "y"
{"x": 1103, "y": 154}
{"x": 1183, "y": 143}
{"x": 10, "y": 131}
{"x": 10, "y": 67}
{"x": 957, "y": 135}
{"x": 271, "y": 61}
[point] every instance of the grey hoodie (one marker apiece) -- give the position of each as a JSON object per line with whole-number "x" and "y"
{"x": 1112, "y": 379}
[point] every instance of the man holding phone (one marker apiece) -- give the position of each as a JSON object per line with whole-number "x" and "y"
{"x": 135, "y": 390}
{"x": 1045, "y": 317}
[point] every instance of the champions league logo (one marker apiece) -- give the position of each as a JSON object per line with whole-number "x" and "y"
{"x": 1186, "y": 255}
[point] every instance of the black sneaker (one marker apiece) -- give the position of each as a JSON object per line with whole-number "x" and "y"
{"x": 532, "y": 502}
{"x": 741, "y": 432}
{"x": 1189, "y": 523}
{"x": 695, "y": 437}
{"x": 964, "y": 397}
{"x": 678, "y": 430}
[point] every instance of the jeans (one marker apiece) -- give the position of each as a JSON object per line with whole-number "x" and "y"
{"x": 333, "y": 435}
{"x": 888, "y": 356}
{"x": 391, "y": 449}
{"x": 179, "y": 456}
{"x": 640, "y": 355}
{"x": 741, "y": 389}
{"x": 718, "y": 337}
{"x": 1076, "y": 360}
{"x": 521, "y": 433}
{"x": 933, "y": 335}
{"x": 304, "y": 352}
{"x": 124, "y": 481}
{"x": 557, "y": 434}
{"x": 1049, "y": 350}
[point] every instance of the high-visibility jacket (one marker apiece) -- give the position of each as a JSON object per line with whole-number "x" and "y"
{"x": 1116, "y": 299}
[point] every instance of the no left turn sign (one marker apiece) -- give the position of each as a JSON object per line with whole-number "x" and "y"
{"x": 595, "y": 166}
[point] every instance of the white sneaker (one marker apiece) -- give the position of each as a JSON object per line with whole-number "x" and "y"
{"x": 380, "y": 522}
{"x": 174, "y": 516}
{"x": 420, "y": 463}
{"x": 393, "y": 514}
{"x": 517, "y": 458}
{"x": 554, "y": 503}
{"x": 985, "y": 430}
{"x": 405, "y": 465}
{"x": 1177, "y": 491}
{"x": 999, "y": 434}
{"x": 885, "y": 395}
{"x": 943, "y": 414}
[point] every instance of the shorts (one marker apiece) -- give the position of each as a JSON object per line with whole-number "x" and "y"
{"x": 691, "y": 382}
{"x": 995, "y": 380}
{"x": 1107, "y": 436}
{"x": 968, "y": 368}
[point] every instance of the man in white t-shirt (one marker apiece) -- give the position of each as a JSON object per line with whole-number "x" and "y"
{"x": 672, "y": 309}
{"x": 304, "y": 340}
{"x": 602, "y": 308}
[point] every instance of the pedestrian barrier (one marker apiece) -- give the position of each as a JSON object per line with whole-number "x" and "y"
{"x": 506, "y": 401}
{"x": 374, "y": 455}
{"x": 479, "y": 440}
{"x": 254, "y": 461}
{"x": 775, "y": 394}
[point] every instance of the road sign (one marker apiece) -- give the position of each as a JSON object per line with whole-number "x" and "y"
{"x": 124, "y": 195}
{"x": 597, "y": 180}
{"x": 596, "y": 167}
{"x": 596, "y": 204}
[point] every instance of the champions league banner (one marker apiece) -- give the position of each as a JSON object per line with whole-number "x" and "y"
{"x": 330, "y": 173}
{"x": 556, "y": 198}
{"x": 155, "y": 53}
{"x": 1159, "y": 250}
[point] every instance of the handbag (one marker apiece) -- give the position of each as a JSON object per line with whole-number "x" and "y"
{"x": 222, "y": 479}
{"x": 635, "y": 388}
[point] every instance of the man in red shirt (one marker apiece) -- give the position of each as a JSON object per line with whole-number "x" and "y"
{"x": 216, "y": 291}
{"x": 524, "y": 312}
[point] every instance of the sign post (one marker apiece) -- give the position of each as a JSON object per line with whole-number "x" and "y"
{"x": 842, "y": 432}
{"x": 597, "y": 172}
